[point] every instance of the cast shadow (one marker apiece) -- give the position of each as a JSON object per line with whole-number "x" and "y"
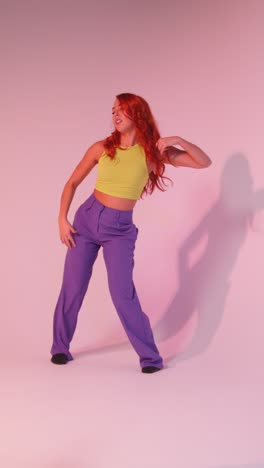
{"x": 100, "y": 348}
{"x": 204, "y": 286}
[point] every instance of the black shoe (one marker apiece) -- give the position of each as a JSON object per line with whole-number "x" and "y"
{"x": 150, "y": 369}
{"x": 59, "y": 358}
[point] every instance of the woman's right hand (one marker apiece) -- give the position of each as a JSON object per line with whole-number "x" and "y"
{"x": 65, "y": 232}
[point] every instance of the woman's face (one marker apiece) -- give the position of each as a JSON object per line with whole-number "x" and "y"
{"x": 121, "y": 122}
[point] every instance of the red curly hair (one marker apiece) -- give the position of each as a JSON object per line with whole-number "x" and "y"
{"x": 138, "y": 110}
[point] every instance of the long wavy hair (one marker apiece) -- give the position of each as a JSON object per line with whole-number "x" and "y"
{"x": 138, "y": 110}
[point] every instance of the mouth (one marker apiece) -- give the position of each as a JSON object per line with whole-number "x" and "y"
{"x": 118, "y": 121}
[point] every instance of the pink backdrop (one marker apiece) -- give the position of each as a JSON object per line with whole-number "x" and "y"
{"x": 200, "y": 255}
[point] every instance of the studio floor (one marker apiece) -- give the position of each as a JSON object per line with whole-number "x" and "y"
{"x": 100, "y": 411}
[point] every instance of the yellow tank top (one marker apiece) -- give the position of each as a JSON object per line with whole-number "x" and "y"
{"x": 124, "y": 176}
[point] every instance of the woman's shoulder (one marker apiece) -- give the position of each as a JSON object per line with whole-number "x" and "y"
{"x": 97, "y": 149}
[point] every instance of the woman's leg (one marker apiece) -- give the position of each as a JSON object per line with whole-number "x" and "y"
{"x": 119, "y": 260}
{"x": 77, "y": 273}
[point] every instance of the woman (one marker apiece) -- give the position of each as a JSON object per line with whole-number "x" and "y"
{"x": 130, "y": 162}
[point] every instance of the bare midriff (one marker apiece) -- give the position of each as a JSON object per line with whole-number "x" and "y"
{"x": 114, "y": 202}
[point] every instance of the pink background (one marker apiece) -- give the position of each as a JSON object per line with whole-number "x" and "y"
{"x": 199, "y": 257}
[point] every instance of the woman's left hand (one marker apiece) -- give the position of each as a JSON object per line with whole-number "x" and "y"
{"x": 163, "y": 143}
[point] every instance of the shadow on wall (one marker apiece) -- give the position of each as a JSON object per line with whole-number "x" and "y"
{"x": 203, "y": 286}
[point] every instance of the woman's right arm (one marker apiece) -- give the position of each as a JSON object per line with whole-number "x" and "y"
{"x": 89, "y": 160}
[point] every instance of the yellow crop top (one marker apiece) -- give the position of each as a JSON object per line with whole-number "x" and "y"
{"x": 124, "y": 176}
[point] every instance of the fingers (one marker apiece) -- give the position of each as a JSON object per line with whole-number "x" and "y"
{"x": 68, "y": 240}
{"x": 65, "y": 234}
{"x": 161, "y": 145}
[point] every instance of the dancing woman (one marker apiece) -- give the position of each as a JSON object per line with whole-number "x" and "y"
{"x": 131, "y": 162}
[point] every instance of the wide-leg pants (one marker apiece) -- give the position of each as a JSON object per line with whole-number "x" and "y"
{"x": 99, "y": 226}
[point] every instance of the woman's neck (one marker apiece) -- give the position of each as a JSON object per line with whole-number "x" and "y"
{"x": 127, "y": 140}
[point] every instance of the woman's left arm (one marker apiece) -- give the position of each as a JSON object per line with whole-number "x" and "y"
{"x": 190, "y": 156}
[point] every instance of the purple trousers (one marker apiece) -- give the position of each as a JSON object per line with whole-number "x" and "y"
{"x": 99, "y": 226}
